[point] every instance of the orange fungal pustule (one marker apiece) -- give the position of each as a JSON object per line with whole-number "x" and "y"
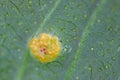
{"x": 45, "y": 47}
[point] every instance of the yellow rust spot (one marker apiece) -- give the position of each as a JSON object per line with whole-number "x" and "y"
{"x": 45, "y": 47}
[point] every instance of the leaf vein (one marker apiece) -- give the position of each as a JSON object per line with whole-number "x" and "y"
{"x": 27, "y": 55}
{"x": 84, "y": 36}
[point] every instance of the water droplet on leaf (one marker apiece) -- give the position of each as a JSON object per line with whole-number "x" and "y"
{"x": 98, "y": 20}
{"x": 113, "y": 58}
{"x": 67, "y": 48}
{"x": 85, "y": 15}
{"x": 100, "y": 69}
{"x": 76, "y": 78}
{"x": 7, "y": 14}
{"x": 92, "y": 49}
{"x": 106, "y": 67}
{"x": 27, "y": 30}
{"x": 75, "y": 17}
{"x": 65, "y": 7}
{"x": 80, "y": 6}
{"x": 89, "y": 68}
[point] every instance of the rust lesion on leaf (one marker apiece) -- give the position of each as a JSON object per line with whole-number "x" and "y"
{"x": 45, "y": 47}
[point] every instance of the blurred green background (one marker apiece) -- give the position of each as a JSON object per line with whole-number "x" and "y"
{"x": 89, "y": 31}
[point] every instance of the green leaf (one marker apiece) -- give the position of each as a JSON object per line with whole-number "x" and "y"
{"x": 88, "y": 30}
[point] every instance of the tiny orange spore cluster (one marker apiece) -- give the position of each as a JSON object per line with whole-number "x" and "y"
{"x": 45, "y": 47}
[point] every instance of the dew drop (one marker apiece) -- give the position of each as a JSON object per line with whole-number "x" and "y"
{"x": 85, "y": 15}
{"x": 67, "y": 14}
{"x": 51, "y": 28}
{"x": 7, "y": 14}
{"x": 102, "y": 53}
{"x": 59, "y": 21}
{"x": 98, "y": 20}
{"x": 63, "y": 29}
{"x": 79, "y": 6}
{"x": 110, "y": 28}
{"x": 72, "y": 3}
{"x": 92, "y": 49}
{"x": 19, "y": 57}
{"x": 75, "y": 37}
{"x": 65, "y": 7}
{"x": 36, "y": 69}
{"x": 18, "y": 49}
{"x": 13, "y": 8}
{"x": 62, "y": 57}
{"x": 32, "y": 13}
{"x": 100, "y": 69}
{"x": 75, "y": 17}
{"x": 14, "y": 39}
{"x": 112, "y": 41}
{"x": 44, "y": 5}
{"x": 67, "y": 40}
{"x": 67, "y": 48}
{"x": 76, "y": 77}
{"x": 30, "y": 2}
{"x": 74, "y": 30}
{"x": 35, "y": 22}
{"x": 20, "y": 23}
{"x": 89, "y": 68}
{"x": 106, "y": 66}
{"x": 101, "y": 43}
{"x": 27, "y": 30}
{"x": 113, "y": 58}
{"x": 29, "y": 6}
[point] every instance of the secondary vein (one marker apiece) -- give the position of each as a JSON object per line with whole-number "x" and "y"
{"x": 84, "y": 36}
{"x": 47, "y": 17}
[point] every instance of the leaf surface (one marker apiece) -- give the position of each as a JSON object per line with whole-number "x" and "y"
{"x": 88, "y": 30}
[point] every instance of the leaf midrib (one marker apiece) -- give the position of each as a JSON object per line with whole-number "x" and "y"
{"x": 27, "y": 55}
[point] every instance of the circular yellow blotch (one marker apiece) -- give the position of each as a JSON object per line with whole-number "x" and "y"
{"x": 45, "y": 47}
